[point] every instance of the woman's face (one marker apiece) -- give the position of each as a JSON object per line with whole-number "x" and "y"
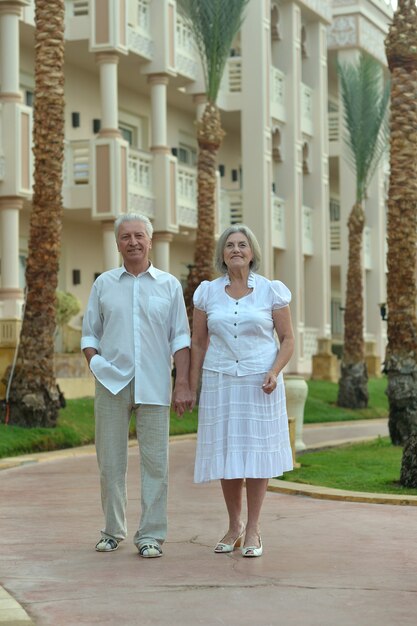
{"x": 237, "y": 253}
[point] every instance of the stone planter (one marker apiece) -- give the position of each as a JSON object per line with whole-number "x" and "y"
{"x": 296, "y": 390}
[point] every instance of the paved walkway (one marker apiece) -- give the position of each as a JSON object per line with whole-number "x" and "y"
{"x": 326, "y": 562}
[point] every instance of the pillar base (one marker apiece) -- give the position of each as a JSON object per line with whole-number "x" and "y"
{"x": 374, "y": 366}
{"x": 11, "y": 303}
{"x": 325, "y": 367}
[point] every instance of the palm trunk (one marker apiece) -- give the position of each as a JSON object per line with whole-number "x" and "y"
{"x": 209, "y": 137}
{"x": 401, "y": 355}
{"x": 353, "y": 390}
{"x": 34, "y": 398}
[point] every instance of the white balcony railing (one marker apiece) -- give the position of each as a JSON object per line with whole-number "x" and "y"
{"x": 367, "y": 248}
{"x": 277, "y": 86}
{"x": 139, "y": 28}
{"x": 308, "y": 245}
{"x": 310, "y": 336}
{"x": 306, "y": 109}
{"x": 187, "y": 195}
{"x": 186, "y": 53}
{"x": 140, "y": 173}
{"x": 278, "y": 222}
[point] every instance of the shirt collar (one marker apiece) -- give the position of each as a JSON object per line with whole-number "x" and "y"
{"x": 151, "y": 270}
{"x": 251, "y": 280}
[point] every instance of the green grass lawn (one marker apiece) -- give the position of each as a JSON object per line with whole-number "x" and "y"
{"x": 373, "y": 466}
{"x": 76, "y": 422}
{"x": 321, "y": 403}
{"x": 75, "y": 428}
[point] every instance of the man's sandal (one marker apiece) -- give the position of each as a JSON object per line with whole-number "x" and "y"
{"x": 107, "y": 544}
{"x": 150, "y": 550}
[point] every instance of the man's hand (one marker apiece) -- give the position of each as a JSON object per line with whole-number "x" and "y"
{"x": 181, "y": 398}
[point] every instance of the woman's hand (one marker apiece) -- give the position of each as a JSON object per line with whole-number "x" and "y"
{"x": 270, "y": 383}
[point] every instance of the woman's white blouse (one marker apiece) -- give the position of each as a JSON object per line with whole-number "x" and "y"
{"x": 241, "y": 332}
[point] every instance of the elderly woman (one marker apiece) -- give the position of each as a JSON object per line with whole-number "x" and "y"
{"x": 242, "y": 424}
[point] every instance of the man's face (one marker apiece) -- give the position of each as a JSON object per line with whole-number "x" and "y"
{"x": 133, "y": 243}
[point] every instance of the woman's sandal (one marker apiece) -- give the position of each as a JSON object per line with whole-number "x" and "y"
{"x": 229, "y": 547}
{"x": 253, "y": 550}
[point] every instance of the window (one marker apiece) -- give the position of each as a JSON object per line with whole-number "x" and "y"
{"x": 22, "y": 270}
{"x": 187, "y": 155}
{"x": 336, "y": 316}
{"x": 128, "y": 133}
{"x": 29, "y": 97}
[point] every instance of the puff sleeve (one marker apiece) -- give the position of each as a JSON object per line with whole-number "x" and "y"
{"x": 281, "y": 295}
{"x": 200, "y": 296}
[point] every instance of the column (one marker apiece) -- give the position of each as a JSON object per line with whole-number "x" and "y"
{"x": 290, "y": 262}
{"x": 10, "y": 293}
{"x": 316, "y": 185}
{"x": 164, "y": 164}
{"x": 111, "y": 151}
{"x": 256, "y": 129}
{"x": 111, "y": 255}
{"x": 11, "y": 202}
{"x": 375, "y": 253}
{"x": 108, "y": 62}
{"x": 160, "y": 250}
{"x": 200, "y": 101}
{"x": 347, "y": 184}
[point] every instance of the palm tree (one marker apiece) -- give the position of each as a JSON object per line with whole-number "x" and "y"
{"x": 401, "y": 353}
{"x": 34, "y": 398}
{"x": 214, "y": 24}
{"x": 365, "y": 102}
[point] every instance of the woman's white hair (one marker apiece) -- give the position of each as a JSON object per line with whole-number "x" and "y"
{"x": 219, "y": 263}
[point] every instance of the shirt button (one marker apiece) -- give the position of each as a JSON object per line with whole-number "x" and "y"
{"x": 237, "y": 302}
{"x": 235, "y": 324}
{"x": 237, "y": 361}
{"x": 235, "y": 336}
{"x": 235, "y": 312}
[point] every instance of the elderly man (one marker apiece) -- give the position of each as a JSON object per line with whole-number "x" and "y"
{"x": 134, "y": 323}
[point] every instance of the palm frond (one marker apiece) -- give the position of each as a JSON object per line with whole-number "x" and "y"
{"x": 214, "y": 24}
{"x": 365, "y": 103}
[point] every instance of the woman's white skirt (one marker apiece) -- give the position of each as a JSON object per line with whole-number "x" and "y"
{"x": 242, "y": 431}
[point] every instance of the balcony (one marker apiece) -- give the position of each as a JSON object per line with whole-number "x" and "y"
{"x": 278, "y": 223}
{"x": 139, "y": 32}
{"x": 140, "y": 182}
{"x": 306, "y": 110}
{"x": 277, "y": 94}
{"x": 187, "y": 196}
{"x": 308, "y": 243}
{"x": 185, "y": 50}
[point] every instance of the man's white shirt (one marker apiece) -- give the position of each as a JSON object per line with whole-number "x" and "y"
{"x": 136, "y": 324}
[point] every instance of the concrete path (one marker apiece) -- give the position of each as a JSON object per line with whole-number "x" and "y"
{"x": 325, "y": 562}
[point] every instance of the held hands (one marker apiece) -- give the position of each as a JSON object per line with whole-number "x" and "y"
{"x": 182, "y": 398}
{"x": 270, "y": 383}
